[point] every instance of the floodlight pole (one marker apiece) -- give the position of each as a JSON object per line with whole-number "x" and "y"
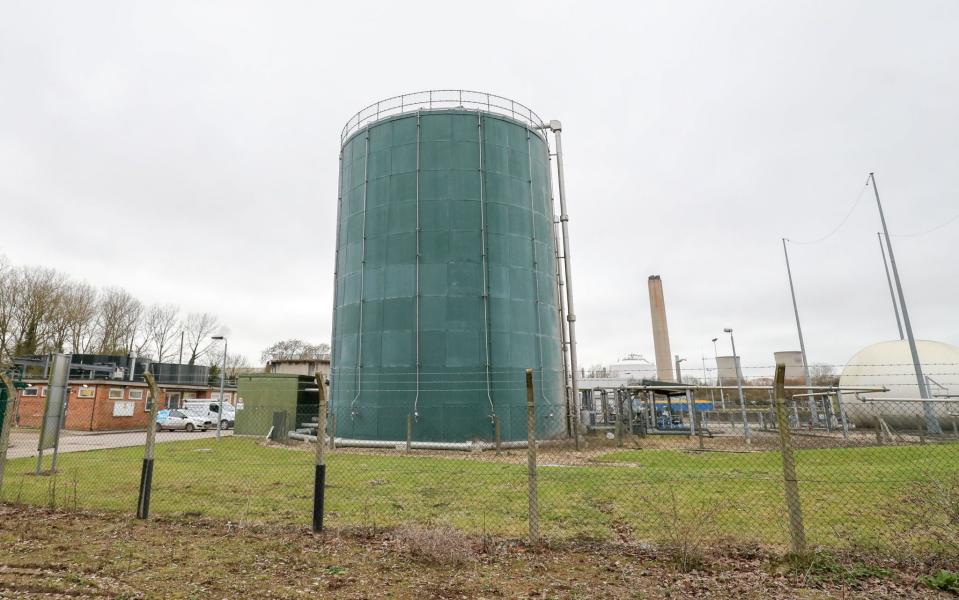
{"x": 802, "y": 343}
{"x": 739, "y": 384}
{"x": 932, "y": 423}
{"x": 892, "y": 293}
{"x": 719, "y": 381}
{"x": 219, "y": 416}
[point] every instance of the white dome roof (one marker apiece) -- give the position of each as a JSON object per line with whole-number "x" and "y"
{"x": 890, "y": 364}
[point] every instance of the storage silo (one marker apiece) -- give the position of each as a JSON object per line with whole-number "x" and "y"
{"x": 889, "y": 364}
{"x": 446, "y": 274}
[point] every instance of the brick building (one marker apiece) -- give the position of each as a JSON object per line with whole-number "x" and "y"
{"x": 105, "y": 405}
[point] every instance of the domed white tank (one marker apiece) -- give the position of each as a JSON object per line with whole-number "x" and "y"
{"x": 889, "y": 364}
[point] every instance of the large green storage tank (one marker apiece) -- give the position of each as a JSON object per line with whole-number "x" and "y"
{"x": 446, "y": 275}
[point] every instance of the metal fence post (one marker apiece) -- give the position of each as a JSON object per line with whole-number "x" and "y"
{"x": 619, "y": 419}
{"x": 409, "y": 433}
{"x": 797, "y": 533}
{"x": 531, "y": 460}
{"x": 8, "y": 417}
{"x": 146, "y": 475}
{"x": 319, "y": 480}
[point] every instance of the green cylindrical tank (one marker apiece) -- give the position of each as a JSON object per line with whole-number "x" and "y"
{"x": 446, "y": 288}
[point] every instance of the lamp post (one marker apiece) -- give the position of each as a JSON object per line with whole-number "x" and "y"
{"x": 739, "y": 384}
{"x": 219, "y": 416}
{"x": 679, "y": 376}
{"x": 719, "y": 381}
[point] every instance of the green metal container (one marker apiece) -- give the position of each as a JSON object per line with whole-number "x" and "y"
{"x": 264, "y": 394}
{"x": 446, "y": 275}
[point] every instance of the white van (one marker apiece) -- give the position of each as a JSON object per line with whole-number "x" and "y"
{"x": 211, "y": 408}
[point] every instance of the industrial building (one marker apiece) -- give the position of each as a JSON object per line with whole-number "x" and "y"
{"x": 447, "y": 281}
{"x": 107, "y": 393}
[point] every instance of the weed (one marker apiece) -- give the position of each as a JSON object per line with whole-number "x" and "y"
{"x": 946, "y": 581}
{"x": 929, "y": 516}
{"x": 438, "y": 544}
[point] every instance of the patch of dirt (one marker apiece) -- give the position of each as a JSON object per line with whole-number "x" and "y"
{"x": 50, "y": 554}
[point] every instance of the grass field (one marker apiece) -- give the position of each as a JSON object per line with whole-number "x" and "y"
{"x": 849, "y": 495}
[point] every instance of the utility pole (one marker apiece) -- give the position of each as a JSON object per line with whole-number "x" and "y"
{"x": 719, "y": 379}
{"x": 706, "y": 380}
{"x": 739, "y": 384}
{"x": 802, "y": 343}
{"x": 219, "y": 416}
{"x": 932, "y": 423}
{"x": 892, "y": 294}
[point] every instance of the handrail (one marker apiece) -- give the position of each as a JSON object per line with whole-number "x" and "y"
{"x": 441, "y": 99}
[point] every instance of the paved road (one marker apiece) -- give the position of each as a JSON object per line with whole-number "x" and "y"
{"x": 24, "y": 443}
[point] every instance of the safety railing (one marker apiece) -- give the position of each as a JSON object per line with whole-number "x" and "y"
{"x": 437, "y": 100}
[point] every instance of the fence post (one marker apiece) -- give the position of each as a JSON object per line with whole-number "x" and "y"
{"x": 8, "y": 417}
{"x": 531, "y": 460}
{"x": 332, "y": 417}
{"x": 146, "y": 475}
{"x": 409, "y": 433}
{"x": 797, "y": 533}
{"x": 319, "y": 480}
{"x": 619, "y": 419}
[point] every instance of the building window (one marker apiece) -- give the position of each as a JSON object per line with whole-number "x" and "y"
{"x": 116, "y": 393}
{"x": 30, "y": 391}
{"x": 43, "y": 392}
{"x": 86, "y": 392}
{"x": 135, "y": 395}
{"x": 189, "y": 395}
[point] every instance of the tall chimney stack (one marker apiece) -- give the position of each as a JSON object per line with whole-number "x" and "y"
{"x": 657, "y": 308}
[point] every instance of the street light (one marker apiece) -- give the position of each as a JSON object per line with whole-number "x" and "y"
{"x": 679, "y": 376}
{"x": 739, "y": 383}
{"x": 219, "y": 416}
{"x": 719, "y": 381}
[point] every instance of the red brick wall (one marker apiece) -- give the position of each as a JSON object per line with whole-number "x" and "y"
{"x": 95, "y": 414}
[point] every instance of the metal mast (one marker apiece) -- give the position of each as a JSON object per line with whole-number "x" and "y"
{"x": 892, "y": 293}
{"x": 557, "y": 128}
{"x": 932, "y": 423}
{"x": 802, "y": 343}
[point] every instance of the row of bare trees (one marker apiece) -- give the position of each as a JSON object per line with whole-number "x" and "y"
{"x": 43, "y": 310}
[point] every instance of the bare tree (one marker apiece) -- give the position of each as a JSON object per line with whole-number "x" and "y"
{"x": 8, "y": 280}
{"x": 236, "y": 364}
{"x": 36, "y": 295}
{"x": 821, "y": 374}
{"x": 199, "y": 327}
{"x": 117, "y": 322}
{"x": 80, "y": 310}
{"x": 161, "y": 326}
{"x": 293, "y": 349}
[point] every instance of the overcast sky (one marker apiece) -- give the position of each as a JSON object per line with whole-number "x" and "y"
{"x": 187, "y": 151}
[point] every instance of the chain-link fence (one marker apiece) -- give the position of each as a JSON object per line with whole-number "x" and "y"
{"x": 673, "y": 465}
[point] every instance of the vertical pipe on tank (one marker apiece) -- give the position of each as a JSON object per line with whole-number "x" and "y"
{"x": 482, "y": 191}
{"x": 359, "y": 332}
{"x": 336, "y": 278}
{"x": 416, "y": 399}
{"x": 532, "y": 242}
{"x": 557, "y": 128}
{"x": 571, "y": 409}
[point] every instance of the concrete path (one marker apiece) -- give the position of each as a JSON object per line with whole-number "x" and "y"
{"x": 24, "y": 443}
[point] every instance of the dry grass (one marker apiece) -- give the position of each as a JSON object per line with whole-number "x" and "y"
{"x": 438, "y": 545}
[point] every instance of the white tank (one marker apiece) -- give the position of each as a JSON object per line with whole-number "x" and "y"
{"x": 889, "y": 364}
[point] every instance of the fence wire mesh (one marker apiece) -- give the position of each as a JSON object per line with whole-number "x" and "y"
{"x": 667, "y": 467}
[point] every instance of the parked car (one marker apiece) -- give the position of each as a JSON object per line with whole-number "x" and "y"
{"x": 211, "y": 410}
{"x": 183, "y": 419}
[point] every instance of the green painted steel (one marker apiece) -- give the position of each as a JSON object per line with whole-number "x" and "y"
{"x": 266, "y": 393}
{"x": 446, "y": 285}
